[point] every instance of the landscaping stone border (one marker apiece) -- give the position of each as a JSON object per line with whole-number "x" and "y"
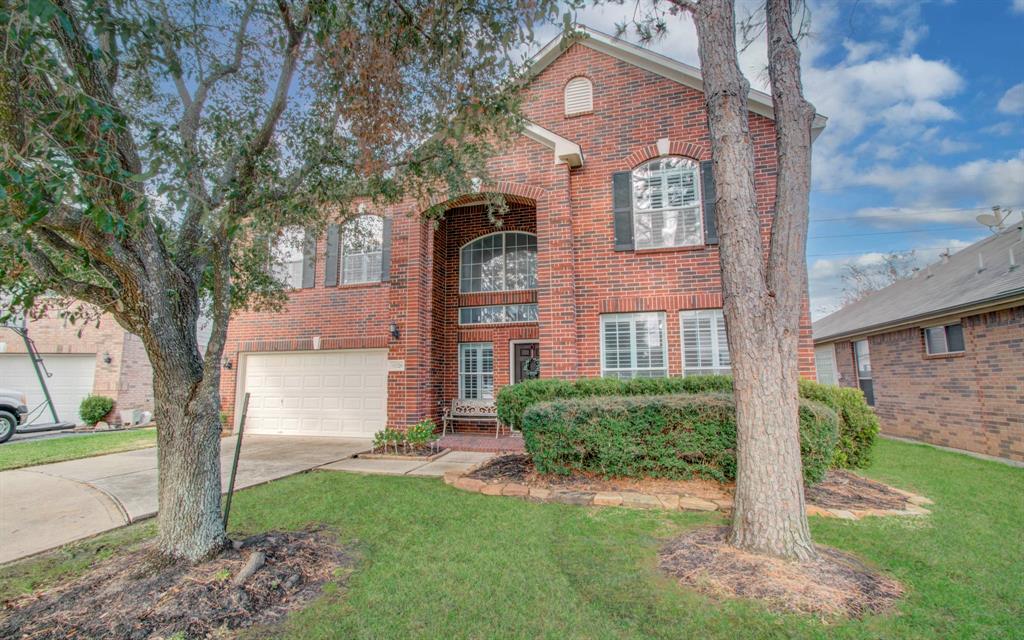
{"x": 666, "y": 501}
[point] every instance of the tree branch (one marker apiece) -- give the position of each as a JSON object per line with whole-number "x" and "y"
{"x": 48, "y": 273}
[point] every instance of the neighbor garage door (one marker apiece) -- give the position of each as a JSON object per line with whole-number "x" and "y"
{"x": 71, "y": 381}
{"x": 317, "y": 393}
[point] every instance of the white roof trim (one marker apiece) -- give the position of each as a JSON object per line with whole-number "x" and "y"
{"x": 690, "y": 76}
{"x": 565, "y": 150}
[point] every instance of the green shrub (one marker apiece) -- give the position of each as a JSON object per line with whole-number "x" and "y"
{"x": 858, "y": 424}
{"x": 668, "y": 436}
{"x": 421, "y": 434}
{"x": 94, "y": 408}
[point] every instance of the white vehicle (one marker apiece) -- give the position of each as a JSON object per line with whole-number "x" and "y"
{"x": 13, "y": 409}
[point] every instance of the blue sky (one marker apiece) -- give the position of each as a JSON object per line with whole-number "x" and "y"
{"x": 925, "y": 102}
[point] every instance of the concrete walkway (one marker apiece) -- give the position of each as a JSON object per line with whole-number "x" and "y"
{"x": 50, "y": 505}
{"x": 452, "y": 461}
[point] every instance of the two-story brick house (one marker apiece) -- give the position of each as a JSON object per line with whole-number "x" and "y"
{"x": 606, "y": 264}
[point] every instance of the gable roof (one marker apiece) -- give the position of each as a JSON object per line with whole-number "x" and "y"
{"x": 758, "y": 102}
{"x": 978, "y": 276}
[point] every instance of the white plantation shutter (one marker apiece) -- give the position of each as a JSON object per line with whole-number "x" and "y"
{"x": 633, "y": 345}
{"x": 579, "y": 96}
{"x": 476, "y": 371}
{"x": 705, "y": 347}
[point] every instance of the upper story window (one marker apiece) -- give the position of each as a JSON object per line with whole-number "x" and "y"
{"x": 579, "y": 96}
{"x": 362, "y": 248}
{"x": 944, "y": 339}
{"x": 666, "y": 204}
{"x": 504, "y": 261}
{"x": 286, "y": 255}
{"x": 705, "y": 347}
{"x": 633, "y": 345}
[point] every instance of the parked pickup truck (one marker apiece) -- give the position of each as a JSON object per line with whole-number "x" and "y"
{"x": 13, "y": 409}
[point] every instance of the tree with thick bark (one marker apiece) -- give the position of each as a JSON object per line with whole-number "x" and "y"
{"x": 763, "y": 292}
{"x": 153, "y": 151}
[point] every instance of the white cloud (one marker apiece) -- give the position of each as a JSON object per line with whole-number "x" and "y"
{"x": 1012, "y": 101}
{"x": 1018, "y": 6}
{"x": 1004, "y": 128}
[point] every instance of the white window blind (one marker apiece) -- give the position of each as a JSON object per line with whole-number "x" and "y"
{"x": 633, "y": 345}
{"x": 362, "y": 250}
{"x": 705, "y": 346}
{"x": 286, "y": 257}
{"x": 944, "y": 339}
{"x": 579, "y": 96}
{"x": 666, "y": 204}
{"x": 476, "y": 371}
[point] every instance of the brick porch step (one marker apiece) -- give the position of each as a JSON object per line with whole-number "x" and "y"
{"x": 464, "y": 442}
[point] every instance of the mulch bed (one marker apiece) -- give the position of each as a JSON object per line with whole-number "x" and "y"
{"x": 139, "y": 594}
{"x": 846, "y": 490}
{"x": 832, "y": 585}
{"x": 519, "y": 468}
{"x": 839, "y": 490}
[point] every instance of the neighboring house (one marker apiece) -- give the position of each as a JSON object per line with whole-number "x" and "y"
{"x": 606, "y": 264}
{"x": 97, "y": 357}
{"x": 940, "y": 355}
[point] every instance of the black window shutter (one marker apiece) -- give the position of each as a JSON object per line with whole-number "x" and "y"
{"x": 331, "y": 266}
{"x": 622, "y": 204}
{"x": 385, "y": 252}
{"x": 707, "y": 178}
{"x": 309, "y": 260}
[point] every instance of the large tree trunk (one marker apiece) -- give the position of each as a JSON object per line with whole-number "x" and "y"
{"x": 763, "y": 332}
{"x": 188, "y": 451}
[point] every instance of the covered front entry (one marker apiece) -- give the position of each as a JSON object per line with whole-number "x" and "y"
{"x": 525, "y": 360}
{"x": 316, "y": 393}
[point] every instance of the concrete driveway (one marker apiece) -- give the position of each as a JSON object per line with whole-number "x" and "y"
{"x": 50, "y": 505}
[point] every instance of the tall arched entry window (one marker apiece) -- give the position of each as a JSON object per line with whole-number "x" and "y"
{"x": 504, "y": 261}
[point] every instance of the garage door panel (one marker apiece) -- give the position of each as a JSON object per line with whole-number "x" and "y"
{"x": 340, "y": 393}
{"x": 72, "y": 377}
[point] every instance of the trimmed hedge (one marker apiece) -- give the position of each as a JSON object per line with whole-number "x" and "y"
{"x": 858, "y": 425}
{"x": 661, "y": 436}
{"x": 94, "y": 408}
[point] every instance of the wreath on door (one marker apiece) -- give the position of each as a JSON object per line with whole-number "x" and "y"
{"x": 531, "y": 368}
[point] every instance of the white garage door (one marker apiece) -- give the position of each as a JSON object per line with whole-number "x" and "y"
{"x": 317, "y": 393}
{"x": 71, "y": 381}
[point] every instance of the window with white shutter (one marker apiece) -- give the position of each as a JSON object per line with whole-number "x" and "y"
{"x": 579, "y": 96}
{"x": 476, "y": 371}
{"x": 666, "y": 204}
{"x": 705, "y": 347}
{"x": 633, "y": 345}
{"x": 362, "y": 250}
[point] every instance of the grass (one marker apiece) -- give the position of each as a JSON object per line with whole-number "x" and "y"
{"x": 436, "y": 562}
{"x": 14, "y": 455}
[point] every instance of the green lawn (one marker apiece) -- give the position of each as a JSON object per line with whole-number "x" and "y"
{"x": 23, "y": 454}
{"x": 439, "y": 563}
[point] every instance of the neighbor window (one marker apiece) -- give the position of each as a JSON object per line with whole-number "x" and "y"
{"x": 633, "y": 345}
{"x": 498, "y": 313}
{"x": 666, "y": 204}
{"x": 476, "y": 371}
{"x": 286, "y": 257}
{"x": 945, "y": 339}
{"x": 705, "y": 348}
{"x": 499, "y": 262}
{"x": 862, "y": 356}
{"x": 361, "y": 249}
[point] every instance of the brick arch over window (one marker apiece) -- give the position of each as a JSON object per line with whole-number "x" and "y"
{"x": 515, "y": 192}
{"x": 650, "y": 152}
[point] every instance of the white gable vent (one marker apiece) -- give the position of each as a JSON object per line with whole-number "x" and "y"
{"x": 579, "y": 96}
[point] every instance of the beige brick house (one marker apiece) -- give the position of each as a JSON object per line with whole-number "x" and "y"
{"x": 940, "y": 355}
{"x": 97, "y": 357}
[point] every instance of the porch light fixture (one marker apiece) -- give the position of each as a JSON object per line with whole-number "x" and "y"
{"x": 227, "y": 363}
{"x": 394, "y": 330}
{"x": 107, "y": 359}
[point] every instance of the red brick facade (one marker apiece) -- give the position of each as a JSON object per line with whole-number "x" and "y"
{"x": 972, "y": 400}
{"x": 580, "y": 275}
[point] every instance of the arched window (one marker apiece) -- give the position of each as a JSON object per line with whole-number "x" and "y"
{"x": 579, "y": 96}
{"x": 362, "y": 247}
{"x": 499, "y": 262}
{"x": 666, "y": 204}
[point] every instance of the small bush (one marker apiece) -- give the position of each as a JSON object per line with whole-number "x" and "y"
{"x": 421, "y": 434}
{"x": 666, "y": 436}
{"x": 94, "y": 408}
{"x": 858, "y": 424}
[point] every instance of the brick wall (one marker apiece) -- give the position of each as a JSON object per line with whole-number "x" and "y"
{"x": 128, "y": 378}
{"x": 972, "y": 401}
{"x": 580, "y": 275}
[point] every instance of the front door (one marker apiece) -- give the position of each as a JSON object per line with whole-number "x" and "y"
{"x": 525, "y": 361}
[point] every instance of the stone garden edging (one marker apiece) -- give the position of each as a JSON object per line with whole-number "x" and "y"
{"x": 666, "y": 501}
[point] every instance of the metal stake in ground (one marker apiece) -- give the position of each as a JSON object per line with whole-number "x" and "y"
{"x": 234, "y": 463}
